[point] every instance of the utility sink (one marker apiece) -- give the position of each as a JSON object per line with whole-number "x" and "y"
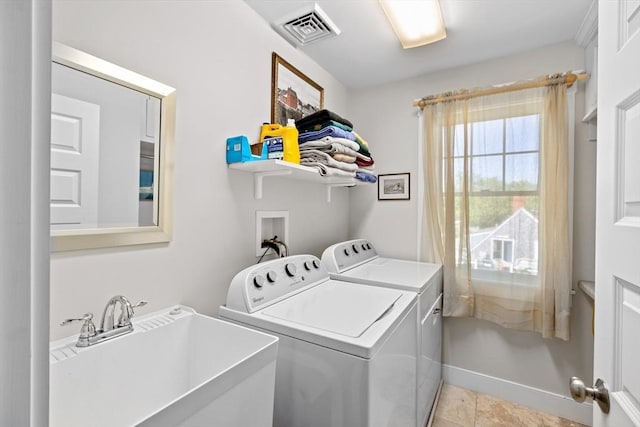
{"x": 177, "y": 368}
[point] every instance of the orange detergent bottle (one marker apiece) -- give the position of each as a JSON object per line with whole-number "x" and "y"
{"x": 289, "y": 135}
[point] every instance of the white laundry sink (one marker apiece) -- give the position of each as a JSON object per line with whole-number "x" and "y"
{"x": 181, "y": 369}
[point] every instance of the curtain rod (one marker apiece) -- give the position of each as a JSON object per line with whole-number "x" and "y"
{"x": 568, "y": 79}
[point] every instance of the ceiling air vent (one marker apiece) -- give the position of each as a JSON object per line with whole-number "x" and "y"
{"x": 307, "y": 26}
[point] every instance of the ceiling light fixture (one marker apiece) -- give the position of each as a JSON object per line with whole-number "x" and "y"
{"x": 416, "y": 22}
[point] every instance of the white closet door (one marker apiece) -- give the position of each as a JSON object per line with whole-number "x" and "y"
{"x": 75, "y": 141}
{"x": 617, "y": 301}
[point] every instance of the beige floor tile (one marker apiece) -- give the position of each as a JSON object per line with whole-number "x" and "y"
{"x": 439, "y": 422}
{"x": 569, "y": 423}
{"x": 553, "y": 421}
{"x": 456, "y": 405}
{"x": 492, "y": 412}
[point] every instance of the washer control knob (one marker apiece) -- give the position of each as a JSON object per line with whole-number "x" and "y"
{"x": 258, "y": 281}
{"x": 290, "y": 269}
{"x": 347, "y": 252}
{"x": 316, "y": 263}
{"x": 364, "y": 247}
{"x": 271, "y": 276}
{"x": 368, "y": 246}
{"x": 307, "y": 265}
{"x": 355, "y": 248}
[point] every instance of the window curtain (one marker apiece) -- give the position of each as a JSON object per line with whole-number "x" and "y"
{"x": 543, "y": 303}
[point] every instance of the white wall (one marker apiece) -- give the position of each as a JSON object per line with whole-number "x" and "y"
{"x": 218, "y": 57}
{"x": 386, "y": 117}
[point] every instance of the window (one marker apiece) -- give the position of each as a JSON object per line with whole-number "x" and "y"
{"x": 503, "y": 167}
{"x": 502, "y": 249}
{"x": 497, "y": 188}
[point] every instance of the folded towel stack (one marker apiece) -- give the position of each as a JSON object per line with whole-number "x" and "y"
{"x": 329, "y": 143}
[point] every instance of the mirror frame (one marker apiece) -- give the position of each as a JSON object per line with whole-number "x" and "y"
{"x": 93, "y": 238}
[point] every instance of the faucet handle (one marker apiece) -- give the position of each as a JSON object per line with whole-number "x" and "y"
{"x": 87, "y": 317}
{"x": 131, "y": 313}
{"x": 87, "y": 331}
{"x": 127, "y": 312}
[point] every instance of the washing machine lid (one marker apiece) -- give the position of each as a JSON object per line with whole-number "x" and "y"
{"x": 400, "y": 274}
{"x": 341, "y": 308}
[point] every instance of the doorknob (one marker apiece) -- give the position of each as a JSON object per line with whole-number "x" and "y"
{"x": 599, "y": 393}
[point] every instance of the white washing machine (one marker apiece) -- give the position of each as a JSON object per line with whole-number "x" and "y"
{"x": 347, "y": 352}
{"x": 357, "y": 261}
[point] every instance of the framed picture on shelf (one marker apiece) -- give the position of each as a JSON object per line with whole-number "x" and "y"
{"x": 293, "y": 94}
{"x": 394, "y": 186}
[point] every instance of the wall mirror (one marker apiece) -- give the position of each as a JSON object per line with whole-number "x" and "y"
{"x": 112, "y": 136}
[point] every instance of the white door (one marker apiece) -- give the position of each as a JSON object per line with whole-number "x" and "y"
{"x": 75, "y": 137}
{"x": 617, "y": 300}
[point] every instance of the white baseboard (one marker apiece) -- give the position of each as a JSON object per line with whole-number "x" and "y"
{"x": 541, "y": 400}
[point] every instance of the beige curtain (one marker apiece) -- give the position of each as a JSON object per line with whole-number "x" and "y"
{"x": 527, "y": 293}
{"x": 554, "y": 218}
{"x": 442, "y": 225}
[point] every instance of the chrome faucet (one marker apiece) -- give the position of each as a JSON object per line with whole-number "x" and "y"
{"x": 126, "y": 313}
{"x": 108, "y": 328}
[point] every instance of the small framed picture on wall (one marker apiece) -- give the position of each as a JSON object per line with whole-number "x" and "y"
{"x": 394, "y": 186}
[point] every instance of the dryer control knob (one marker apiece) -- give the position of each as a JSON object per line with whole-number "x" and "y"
{"x": 290, "y": 269}
{"x": 347, "y": 252}
{"x": 271, "y": 276}
{"x": 258, "y": 281}
{"x": 316, "y": 264}
{"x": 364, "y": 247}
{"x": 355, "y": 248}
{"x": 307, "y": 265}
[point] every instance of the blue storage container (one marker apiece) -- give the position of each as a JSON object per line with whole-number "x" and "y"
{"x": 239, "y": 150}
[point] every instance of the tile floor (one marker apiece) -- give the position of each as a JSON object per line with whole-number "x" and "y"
{"x": 458, "y": 407}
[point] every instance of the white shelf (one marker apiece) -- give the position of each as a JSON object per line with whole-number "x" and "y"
{"x": 265, "y": 168}
{"x": 592, "y": 114}
{"x": 591, "y": 119}
{"x": 588, "y": 288}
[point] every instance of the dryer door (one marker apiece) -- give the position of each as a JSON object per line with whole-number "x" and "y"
{"x": 394, "y": 273}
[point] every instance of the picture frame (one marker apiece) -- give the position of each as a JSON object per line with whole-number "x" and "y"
{"x": 394, "y": 186}
{"x": 293, "y": 94}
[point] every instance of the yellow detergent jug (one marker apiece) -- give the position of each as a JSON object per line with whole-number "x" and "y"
{"x": 289, "y": 135}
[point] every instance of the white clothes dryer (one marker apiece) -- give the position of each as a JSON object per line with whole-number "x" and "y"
{"x": 347, "y": 352}
{"x": 357, "y": 261}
